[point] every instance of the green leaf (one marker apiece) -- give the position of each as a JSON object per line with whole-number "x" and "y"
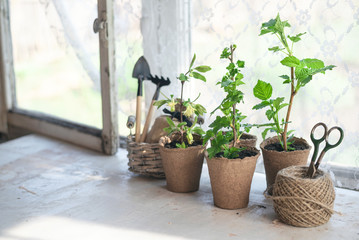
{"x": 225, "y": 53}
{"x": 277, "y": 102}
{"x": 270, "y": 114}
{"x": 262, "y": 90}
{"x": 160, "y": 103}
{"x": 312, "y": 63}
{"x": 170, "y": 122}
{"x": 192, "y": 62}
{"x": 183, "y": 77}
{"x": 286, "y": 77}
{"x": 301, "y": 73}
{"x": 238, "y": 77}
{"x": 322, "y": 70}
{"x": 290, "y": 61}
{"x": 182, "y": 145}
{"x": 240, "y": 64}
{"x": 209, "y": 135}
{"x": 261, "y": 105}
{"x": 275, "y": 49}
{"x": 199, "y": 76}
{"x": 230, "y": 66}
{"x": 181, "y": 124}
{"x": 189, "y": 137}
{"x": 199, "y": 109}
{"x": 264, "y": 133}
{"x": 296, "y": 38}
{"x": 198, "y": 130}
{"x": 203, "y": 68}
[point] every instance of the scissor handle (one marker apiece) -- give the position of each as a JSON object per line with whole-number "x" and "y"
{"x": 315, "y": 140}
{"x": 330, "y": 146}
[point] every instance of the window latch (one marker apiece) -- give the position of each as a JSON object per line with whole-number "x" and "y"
{"x": 98, "y": 25}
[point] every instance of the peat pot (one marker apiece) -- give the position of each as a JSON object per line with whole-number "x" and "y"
{"x": 247, "y": 140}
{"x": 301, "y": 201}
{"x": 231, "y": 179}
{"x": 275, "y": 161}
{"x": 182, "y": 167}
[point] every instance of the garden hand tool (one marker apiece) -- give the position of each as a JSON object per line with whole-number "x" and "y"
{"x": 313, "y": 167}
{"x": 141, "y": 71}
{"x": 160, "y": 82}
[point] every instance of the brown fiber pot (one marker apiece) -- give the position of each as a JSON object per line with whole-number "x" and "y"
{"x": 247, "y": 140}
{"x": 182, "y": 167}
{"x": 275, "y": 161}
{"x": 231, "y": 180}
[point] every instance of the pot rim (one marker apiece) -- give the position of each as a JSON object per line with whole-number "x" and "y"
{"x": 191, "y": 148}
{"x": 273, "y": 139}
{"x": 235, "y": 159}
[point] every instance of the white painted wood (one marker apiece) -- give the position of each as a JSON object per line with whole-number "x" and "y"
{"x": 51, "y": 190}
{"x": 108, "y": 81}
{"x": 69, "y": 134}
{"x": 7, "y": 76}
{"x": 165, "y": 27}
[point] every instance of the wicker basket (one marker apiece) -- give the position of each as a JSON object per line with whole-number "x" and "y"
{"x": 144, "y": 158}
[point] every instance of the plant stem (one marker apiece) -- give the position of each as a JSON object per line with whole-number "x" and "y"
{"x": 181, "y": 114}
{"x": 234, "y": 125}
{"x": 234, "y": 107}
{"x": 292, "y": 94}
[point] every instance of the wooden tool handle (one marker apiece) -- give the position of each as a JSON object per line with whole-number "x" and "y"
{"x": 138, "y": 119}
{"x": 148, "y": 121}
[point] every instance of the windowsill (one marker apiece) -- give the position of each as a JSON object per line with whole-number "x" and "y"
{"x": 53, "y": 190}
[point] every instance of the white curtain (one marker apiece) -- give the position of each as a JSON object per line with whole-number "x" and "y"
{"x": 332, "y": 35}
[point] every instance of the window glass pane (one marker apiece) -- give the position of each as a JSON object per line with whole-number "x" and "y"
{"x": 128, "y": 40}
{"x": 56, "y": 58}
{"x": 332, "y": 34}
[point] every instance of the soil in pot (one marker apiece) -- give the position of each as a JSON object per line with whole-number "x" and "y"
{"x": 182, "y": 166}
{"x": 275, "y": 159}
{"x": 231, "y": 179}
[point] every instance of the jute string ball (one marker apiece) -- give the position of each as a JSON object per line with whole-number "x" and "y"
{"x": 301, "y": 201}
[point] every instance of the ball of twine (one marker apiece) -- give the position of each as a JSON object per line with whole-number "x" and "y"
{"x": 302, "y": 201}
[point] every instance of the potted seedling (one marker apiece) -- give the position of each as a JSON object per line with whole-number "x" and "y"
{"x": 231, "y": 163}
{"x": 284, "y": 149}
{"x": 182, "y": 152}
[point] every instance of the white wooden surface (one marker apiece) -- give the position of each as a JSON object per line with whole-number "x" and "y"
{"x": 52, "y": 190}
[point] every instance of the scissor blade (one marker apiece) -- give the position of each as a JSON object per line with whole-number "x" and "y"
{"x": 311, "y": 170}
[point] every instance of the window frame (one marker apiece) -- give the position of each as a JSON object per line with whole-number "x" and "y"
{"x": 105, "y": 140}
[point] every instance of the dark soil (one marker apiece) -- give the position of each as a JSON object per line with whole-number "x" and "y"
{"x": 173, "y": 144}
{"x": 278, "y": 147}
{"x": 246, "y": 137}
{"x": 241, "y": 155}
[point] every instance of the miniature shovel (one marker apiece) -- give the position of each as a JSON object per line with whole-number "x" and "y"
{"x": 141, "y": 71}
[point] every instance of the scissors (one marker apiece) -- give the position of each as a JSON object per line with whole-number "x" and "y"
{"x": 313, "y": 167}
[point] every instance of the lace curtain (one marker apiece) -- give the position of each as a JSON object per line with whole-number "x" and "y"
{"x": 332, "y": 29}
{"x": 332, "y": 32}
